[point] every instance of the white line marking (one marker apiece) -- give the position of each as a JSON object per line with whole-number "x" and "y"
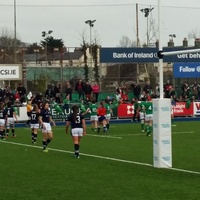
{"x": 102, "y": 157}
{"x": 144, "y": 134}
{"x": 183, "y": 132}
{"x": 104, "y": 136}
{"x": 133, "y": 134}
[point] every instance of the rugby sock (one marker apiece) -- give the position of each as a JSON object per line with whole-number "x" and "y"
{"x": 142, "y": 126}
{"x": 1, "y": 134}
{"x": 76, "y": 148}
{"x": 150, "y": 129}
{"x": 44, "y": 144}
{"x": 108, "y": 126}
{"x": 104, "y": 128}
{"x": 34, "y": 137}
{"x": 4, "y": 133}
{"x": 48, "y": 141}
{"x": 13, "y": 132}
{"x": 7, "y": 132}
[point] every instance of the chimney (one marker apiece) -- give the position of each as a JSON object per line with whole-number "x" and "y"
{"x": 185, "y": 42}
{"x": 157, "y": 43}
{"x": 197, "y": 42}
{"x": 171, "y": 43}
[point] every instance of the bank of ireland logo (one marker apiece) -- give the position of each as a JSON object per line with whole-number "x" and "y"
{"x": 130, "y": 110}
{"x": 198, "y": 68}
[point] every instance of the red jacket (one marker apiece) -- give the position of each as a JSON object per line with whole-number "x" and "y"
{"x": 101, "y": 111}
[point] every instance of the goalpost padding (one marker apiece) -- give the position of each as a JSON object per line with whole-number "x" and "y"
{"x": 162, "y": 144}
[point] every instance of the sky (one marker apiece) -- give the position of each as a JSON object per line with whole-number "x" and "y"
{"x": 114, "y": 18}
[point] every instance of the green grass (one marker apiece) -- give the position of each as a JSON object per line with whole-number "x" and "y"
{"x": 29, "y": 174}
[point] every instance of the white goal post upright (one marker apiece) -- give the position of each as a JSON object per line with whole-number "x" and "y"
{"x": 162, "y": 148}
{"x": 162, "y": 142}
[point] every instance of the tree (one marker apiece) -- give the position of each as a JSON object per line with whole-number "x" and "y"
{"x": 84, "y": 47}
{"x": 52, "y": 44}
{"x": 95, "y": 55}
{"x": 30, "y": 48}
{"x": 125, "y": 41}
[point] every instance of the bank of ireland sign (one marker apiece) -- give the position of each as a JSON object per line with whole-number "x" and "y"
{"x": 186, "y": 70}
{"x": 144, "y": 55}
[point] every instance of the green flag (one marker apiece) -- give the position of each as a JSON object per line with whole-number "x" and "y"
{"x": 57, "y": 107}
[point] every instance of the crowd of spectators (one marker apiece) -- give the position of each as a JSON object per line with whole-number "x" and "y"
{"x": 88, "y": 91}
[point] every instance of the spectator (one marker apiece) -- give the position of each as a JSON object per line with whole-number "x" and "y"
{"x": 57, "y": 93}
{"x": 136, "y": 90}
{"x": 95, "y": 91}
{"x": 17, "y": 95}
{"x": 147, "y": 88}
{"x": 66, "y": 102}
{"x": 124, "y": 96}
{"x": 186, "y": 92}
{"x": 49, "y": 94}
{"x": 21, "y": 89}
{"x": 68, "y": 90}
{"x": 154, "y": 95}
{"x": 172, "y": 92}
{"x": 195, "y": 88}
{"x": 118, "y": 96}
{"x": 167, "y": 88}
{"x": 88, "y": 91}
{"x": 79, "y": 87}
{"x": 1, "y": 95}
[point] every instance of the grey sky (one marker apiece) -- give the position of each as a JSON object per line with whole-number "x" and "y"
{"x": 114, "y": 20}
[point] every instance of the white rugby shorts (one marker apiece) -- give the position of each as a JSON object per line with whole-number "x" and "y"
{"x": 93, "y": 118}
{"x": 34, "y": 126}
{"x": 46, "y": 127}
{"x": 77, "y": 132}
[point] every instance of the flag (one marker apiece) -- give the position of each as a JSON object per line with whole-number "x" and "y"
{"x": 29, "y": 95}
{"x": 57, "y": 107}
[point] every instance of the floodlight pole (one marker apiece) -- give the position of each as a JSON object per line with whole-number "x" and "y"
{"x": 15, "y": 32}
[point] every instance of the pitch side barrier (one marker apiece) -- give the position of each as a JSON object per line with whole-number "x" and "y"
{"x": 122, "y": 111}
{"x": 58, "y": 112}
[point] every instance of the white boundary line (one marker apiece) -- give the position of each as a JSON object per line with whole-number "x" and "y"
{"x": 144, "y": 134}
{"x": 102, "y": 157}
{"x": 104, "y": 136}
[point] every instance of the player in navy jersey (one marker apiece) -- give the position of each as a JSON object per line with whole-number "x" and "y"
{"x": 2, "y": 121}
{"x": 45, "y": 120}
{"x": 10, "y": 119}
{"x": 34, "y": 122}
{"x": 78, "y": 128}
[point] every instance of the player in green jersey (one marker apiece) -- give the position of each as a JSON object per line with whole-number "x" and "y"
{"x": 141, "y": 113}
{"x": 108, "y": 113}
{"x": 148, "y": 106}
{"x": 136, "y": 106}
{"x": 93, "y": 114}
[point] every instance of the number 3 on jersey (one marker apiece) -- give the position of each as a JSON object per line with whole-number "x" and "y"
{"x": 78, "y": 120}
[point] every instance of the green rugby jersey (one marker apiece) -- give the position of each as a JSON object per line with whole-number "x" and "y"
{"x": 107, "y": 106}
{"x": 93, "y": 109}
{"x": 148, "y": 107}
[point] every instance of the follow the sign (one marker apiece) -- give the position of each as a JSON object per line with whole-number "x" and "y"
{"x": 186, "y": 70}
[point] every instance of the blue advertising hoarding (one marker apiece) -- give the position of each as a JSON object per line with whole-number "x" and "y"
{"x": 186, "y": 70}
{"x": 144, "y": 55}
